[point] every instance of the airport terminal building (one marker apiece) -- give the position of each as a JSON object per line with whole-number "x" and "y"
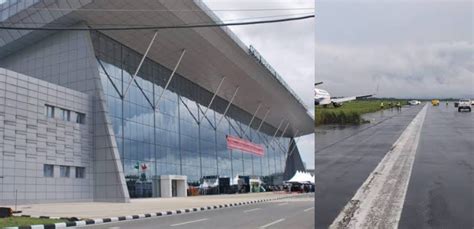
{"x": 104, "y": 115}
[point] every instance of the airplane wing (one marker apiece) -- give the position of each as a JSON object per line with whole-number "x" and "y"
{"x": 350, "y": 98}
{"x": 363, "y": 96}
{"x": 343, "y": 99}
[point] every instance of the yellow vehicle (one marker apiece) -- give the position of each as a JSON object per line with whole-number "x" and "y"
{"x": 435, "y": 102}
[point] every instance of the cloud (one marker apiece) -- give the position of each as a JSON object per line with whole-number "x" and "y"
{"x": 406, "y": 70}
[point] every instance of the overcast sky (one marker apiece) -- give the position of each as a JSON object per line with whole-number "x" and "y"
{"x": 288, "y": 47}
{"x": 418, "y": 48}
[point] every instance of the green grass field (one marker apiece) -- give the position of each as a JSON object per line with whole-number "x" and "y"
{"x": 350, "y": 112}
{"x": 16, "y": 221}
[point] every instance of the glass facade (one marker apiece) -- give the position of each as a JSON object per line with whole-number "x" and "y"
{"x": 176, "y": 137}
{"x": 8, "y": 8}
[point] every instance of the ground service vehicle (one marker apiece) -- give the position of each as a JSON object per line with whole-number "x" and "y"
{"x": 464, "y": 104}
{"x": 435, "y": 102}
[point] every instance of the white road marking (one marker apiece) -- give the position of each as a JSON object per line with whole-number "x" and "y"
{"x": 272, "y": 223}
{"x": 97, "y": 221}
{"x": 308, "y": 209}
{"x": 194, "y": 221}
{"x": 283, "y": 204}
{"x": 60, "y": 225}
{"x": 251, "y": 210}
{"x": 378, "y": 203}
{"x": 37, "y": 226}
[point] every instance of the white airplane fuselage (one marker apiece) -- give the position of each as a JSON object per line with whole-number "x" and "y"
{"x": 321, "y": 97}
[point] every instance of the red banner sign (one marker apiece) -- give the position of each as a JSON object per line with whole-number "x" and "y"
{"x": 244, "y": 145}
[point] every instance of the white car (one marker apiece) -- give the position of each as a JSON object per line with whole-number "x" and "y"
{"x": 414, "y": 102}
{"x": 464, "y": 104}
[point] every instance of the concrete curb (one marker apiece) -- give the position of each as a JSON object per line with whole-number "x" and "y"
{"x": 135, "y": 217}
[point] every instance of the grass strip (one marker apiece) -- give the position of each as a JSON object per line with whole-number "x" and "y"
{"x": 351, "y": 112}
{"x": 16, "y": 221}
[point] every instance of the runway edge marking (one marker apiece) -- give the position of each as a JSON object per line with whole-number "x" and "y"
{"x": 378, "y": 203}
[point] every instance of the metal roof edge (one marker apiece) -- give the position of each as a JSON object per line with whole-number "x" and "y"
{"x": 251, "y": 51}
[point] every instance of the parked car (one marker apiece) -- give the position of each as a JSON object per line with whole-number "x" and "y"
{"x": 414, "y": 102}
{"x": 464, "y": 104}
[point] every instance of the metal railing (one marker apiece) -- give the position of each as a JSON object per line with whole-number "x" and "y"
{"x": 253, "y": 52}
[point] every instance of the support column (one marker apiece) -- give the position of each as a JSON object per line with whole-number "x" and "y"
{"x": 212, "y": 99}
{"x": 276, "y": 131}
{"x": 140, "y": 65}
{"x": 251, "y": 120}
{"x": 262, "y": 122}
{"x": 228, "y": 106}
{"x": 169, "y": 79}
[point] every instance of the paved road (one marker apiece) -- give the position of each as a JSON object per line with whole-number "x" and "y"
{"x": 297, "y": 212}
{"x": 439, "y": 193}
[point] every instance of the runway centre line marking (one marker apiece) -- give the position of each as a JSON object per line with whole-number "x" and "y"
{"x": 272, "y": 223}
{"x": 283, "y": 204}
{"x": 251, "y": 210}
{"x": 308, "y": 209}
{"x": 378, "y": 203}
{"x": 188, "y": 222}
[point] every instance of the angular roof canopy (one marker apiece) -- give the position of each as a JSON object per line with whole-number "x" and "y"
{"x": 211, "y": 52}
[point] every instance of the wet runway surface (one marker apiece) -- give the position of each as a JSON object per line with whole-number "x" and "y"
{"x": 439, "y": 193}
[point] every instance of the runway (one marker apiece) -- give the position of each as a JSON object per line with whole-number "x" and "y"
{"x": 439, "y": 192}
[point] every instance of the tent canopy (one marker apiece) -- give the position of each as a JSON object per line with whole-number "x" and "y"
{"x": 301, "y": 177}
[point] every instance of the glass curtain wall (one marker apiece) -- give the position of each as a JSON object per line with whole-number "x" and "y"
{"x": 175, "y": 137}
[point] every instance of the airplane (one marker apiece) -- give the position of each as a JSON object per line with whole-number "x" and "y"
{"x": 323, "y": 98}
